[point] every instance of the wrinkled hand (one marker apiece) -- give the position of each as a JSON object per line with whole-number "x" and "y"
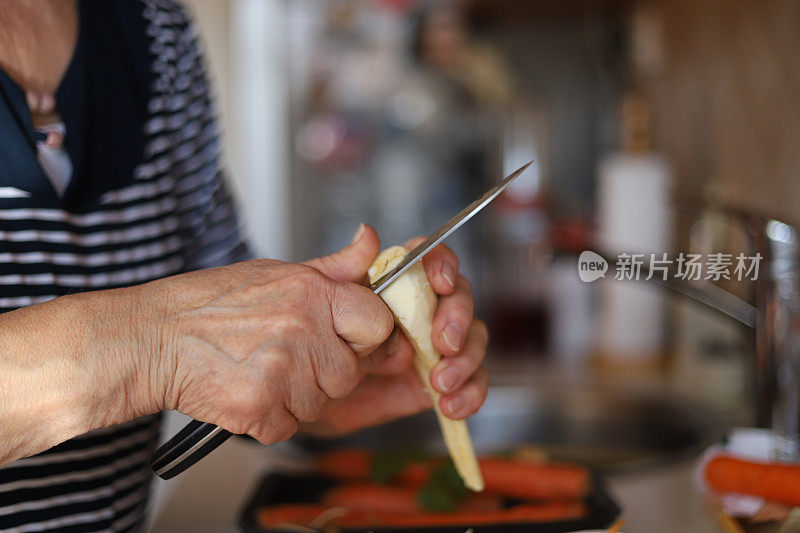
{"x": 259, "y": 346}
{"x": 390, "y": 387}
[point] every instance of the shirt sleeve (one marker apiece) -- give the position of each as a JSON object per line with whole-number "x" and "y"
{"x": 209, "y": 224}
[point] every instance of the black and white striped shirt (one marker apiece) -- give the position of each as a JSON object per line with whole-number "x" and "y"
{"x": 146, "y": 200}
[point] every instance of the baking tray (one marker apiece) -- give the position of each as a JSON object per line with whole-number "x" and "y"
{"x": 279, "y": 488}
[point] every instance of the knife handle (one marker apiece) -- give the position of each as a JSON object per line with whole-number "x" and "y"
{"x": 188, "y": 446}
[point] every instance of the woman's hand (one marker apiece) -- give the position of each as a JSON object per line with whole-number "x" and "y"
{"x": 255, "y": 347}
{"x": 390, "y": 387}
{"x": 259, "y": 346}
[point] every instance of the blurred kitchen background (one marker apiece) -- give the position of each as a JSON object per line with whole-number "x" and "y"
{"x": 642, "y": 116}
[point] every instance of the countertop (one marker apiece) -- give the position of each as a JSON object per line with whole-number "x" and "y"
{"x": 210, "y": 496}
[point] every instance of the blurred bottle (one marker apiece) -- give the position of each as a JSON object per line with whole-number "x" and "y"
{"x": 633, "y": 217}
{"x": 518, "y": 313}
{"x": 517, "y": 265}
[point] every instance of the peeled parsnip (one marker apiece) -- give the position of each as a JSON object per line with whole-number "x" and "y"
{"x": 413, "y": 302}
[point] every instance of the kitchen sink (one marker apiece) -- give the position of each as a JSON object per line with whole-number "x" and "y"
{"x": 610, "y": 428}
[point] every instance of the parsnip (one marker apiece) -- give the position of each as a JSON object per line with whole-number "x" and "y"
{"x": 413, "y": 302}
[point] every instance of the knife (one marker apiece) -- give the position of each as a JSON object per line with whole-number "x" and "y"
{"x": 198, "y": 439}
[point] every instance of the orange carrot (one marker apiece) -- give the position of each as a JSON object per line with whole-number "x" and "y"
{"x": 772, "y": 481}
{"x": 481, "y": 501}
{"x": 417, "y": 472}
{"x": 527, "y": 512}
{"x": 545, "y": 481}
{"x": 352, "y": 464}
{"x": 345, "y": 464}
{"x": 510, "y": 477}
{"x": 367, "y": 496}
{"x": 315, "y": 515}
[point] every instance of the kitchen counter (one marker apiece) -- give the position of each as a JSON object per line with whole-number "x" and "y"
{"x": 209, "y": 497}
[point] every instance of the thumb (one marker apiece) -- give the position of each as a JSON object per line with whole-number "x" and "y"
{"x": 350, "y": 264}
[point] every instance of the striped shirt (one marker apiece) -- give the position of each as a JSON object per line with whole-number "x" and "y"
{"x": 146, "y": 200}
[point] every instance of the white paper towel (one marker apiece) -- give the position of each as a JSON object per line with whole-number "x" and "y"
{"x": 633, "y": 217}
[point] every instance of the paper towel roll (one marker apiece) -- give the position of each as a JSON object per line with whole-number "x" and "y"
{"x": 633, "y": 217}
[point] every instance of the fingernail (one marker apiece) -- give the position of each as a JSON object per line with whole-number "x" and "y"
{"x": 453, "y": 336}
{"x": 456, "y": 404}
{"x": 359, "y": 232}
{"x": 448, "y": 378}
{"x": 449, "y": 274}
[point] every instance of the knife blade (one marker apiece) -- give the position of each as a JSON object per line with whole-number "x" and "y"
{"x": 442, "y": 233}
{"x": 198, "y": 439}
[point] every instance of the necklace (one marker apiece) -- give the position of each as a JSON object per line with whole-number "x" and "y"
{"x": 42, "y": 105}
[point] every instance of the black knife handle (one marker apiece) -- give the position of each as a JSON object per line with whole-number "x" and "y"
{"x": 188, "y": 446}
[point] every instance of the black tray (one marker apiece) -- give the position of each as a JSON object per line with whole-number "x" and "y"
{"x": 279, "y": 488}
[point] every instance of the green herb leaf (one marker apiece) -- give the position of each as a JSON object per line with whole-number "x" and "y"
{"x": 388, "y": 464}
{"x": 444, "y": 491}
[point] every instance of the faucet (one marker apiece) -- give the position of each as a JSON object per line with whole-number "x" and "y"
{"x": 772, "y": 318}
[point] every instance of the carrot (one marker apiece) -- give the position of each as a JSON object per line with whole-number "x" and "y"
{"x": 316, "y": 515}
{"x": 417, "y": 473}
{"x": 351, "y": 464}
{"x": 481, "y": 501}
{"x": 527, "y": 512}
{"x": 366, "y": 496}
{"x": 345, "y": 464}
{"x": 509, "y": 477}
{"x": 772, "y": 481}
{"x": 545, "y": 481}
